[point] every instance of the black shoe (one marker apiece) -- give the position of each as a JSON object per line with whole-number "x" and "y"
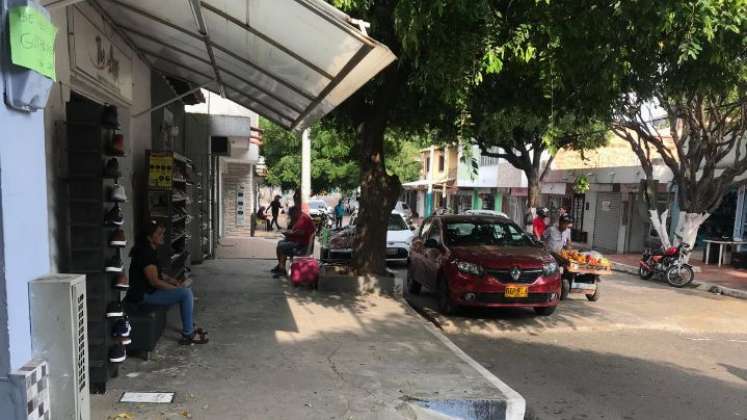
{"x": 114, "y": 310}
{"x": 114, "y": 216}
{"x": 117, "y": 354}
{"x": 276, "y": 269}
{"x": 122, "y": 328}
{"x": 111, "y": 170}
{"x": 114, "y": 265}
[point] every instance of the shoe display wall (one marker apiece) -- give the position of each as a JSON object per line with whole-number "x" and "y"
{"x": 97, "y": 227}
{"x": 169, "y": 200}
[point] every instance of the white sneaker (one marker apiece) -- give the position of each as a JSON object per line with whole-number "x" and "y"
{"x": 117, "y": 194}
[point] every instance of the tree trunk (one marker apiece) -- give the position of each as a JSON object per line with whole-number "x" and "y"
{"x": 687, "y": 228}
{"x": 379, "y": 193}
{"x": 659, "y": 223}
{"x": 533, "y": 192}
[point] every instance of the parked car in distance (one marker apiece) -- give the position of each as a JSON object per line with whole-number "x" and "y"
{"x": 485, "y": 212}
{"x": 482, "y": 261}
{"x": 398, "y": 237}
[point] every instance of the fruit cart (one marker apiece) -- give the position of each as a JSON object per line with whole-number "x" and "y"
{"x": 581, "y": 273}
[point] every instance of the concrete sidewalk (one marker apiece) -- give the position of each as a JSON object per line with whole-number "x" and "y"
{"x": 277, "y": 352}
{"x": 720, "y": 280}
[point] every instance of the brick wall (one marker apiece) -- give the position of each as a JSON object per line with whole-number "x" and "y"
{"x": 236, "y": 175}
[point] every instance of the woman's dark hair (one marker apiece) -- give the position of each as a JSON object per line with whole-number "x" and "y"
{"x": 148, "y": 230}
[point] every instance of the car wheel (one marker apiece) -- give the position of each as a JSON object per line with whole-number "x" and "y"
{"x": 445, "y": 305}
{"x": 413, "y": 287}
{"x": 565, "y": 288}
{"x": 545, "y": 310}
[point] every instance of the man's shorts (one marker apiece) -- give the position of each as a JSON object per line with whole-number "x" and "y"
{"x": 288, "y": 248}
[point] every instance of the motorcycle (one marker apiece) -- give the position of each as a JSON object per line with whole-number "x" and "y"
{"x": 670, "y": 263}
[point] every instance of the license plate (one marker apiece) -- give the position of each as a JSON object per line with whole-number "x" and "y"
{"x": 391, "y": 252}
{"x": 516, "y": 291}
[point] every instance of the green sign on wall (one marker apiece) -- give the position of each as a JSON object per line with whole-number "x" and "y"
{"x": 32, "y": 40}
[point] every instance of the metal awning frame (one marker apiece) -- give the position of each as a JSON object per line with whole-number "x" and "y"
{"x": 264, "y": 108}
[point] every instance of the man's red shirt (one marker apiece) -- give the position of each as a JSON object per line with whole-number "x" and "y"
{"x": 538, "y": 224}
{"x": 303, "y": 230}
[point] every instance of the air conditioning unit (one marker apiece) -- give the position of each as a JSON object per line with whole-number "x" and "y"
{"x": 59, "y": 335}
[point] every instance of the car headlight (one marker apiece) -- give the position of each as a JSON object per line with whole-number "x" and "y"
{"x": 549, "y": 268}
{"x": 470, "y": 268}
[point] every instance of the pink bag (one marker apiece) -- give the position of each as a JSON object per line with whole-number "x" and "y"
{"x": 304, "y": 270}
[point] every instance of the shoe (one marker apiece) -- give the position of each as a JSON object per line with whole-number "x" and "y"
{"x": 114, "y": 216}
{"x": 124, "y": 341}
{"x": 111, "y": 170}
{"x": 116, "y": 148}
{"x": 118, "y": 239}
{"x": 117, "y": 194}
{"x": 122, "y": 328}
{"x": 276, "y": 269}
{"x": 114, "y": 309}
{"x": 109, "y": 118}
{"x": 122, "y": 282}
{"x": 114, "y": 265}
{"x": 117, "y": 354}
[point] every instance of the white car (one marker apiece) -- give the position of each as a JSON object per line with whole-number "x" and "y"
{"x": 486, "y": 212}
{"x": 402, "y": 208}
{"x": 317, "y": 207}
{"x": 398, "y": 238}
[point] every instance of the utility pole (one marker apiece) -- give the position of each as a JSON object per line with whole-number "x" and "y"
{"x": 305, "y": 169}
{"x": 429, "y": 194}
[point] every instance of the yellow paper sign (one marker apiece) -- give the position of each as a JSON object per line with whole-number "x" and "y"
{"x": 32, "y": 40}
{"x": 161, "y": 171}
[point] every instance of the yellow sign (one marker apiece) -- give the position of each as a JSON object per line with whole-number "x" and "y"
{"x": 161, "y": 171}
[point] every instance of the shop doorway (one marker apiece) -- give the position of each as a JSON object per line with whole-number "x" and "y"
{"x": 607, "y": 222}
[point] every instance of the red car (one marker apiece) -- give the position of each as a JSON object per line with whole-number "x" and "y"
{"x": 482, "y": 261}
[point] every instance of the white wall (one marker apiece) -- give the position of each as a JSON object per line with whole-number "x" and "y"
{"x": 216, "y": 105}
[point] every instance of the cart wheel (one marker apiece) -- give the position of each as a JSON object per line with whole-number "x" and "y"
{"x": 593, "y": 297}
{"x": 565, "y": 288}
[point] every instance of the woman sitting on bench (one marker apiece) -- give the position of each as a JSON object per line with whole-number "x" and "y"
{"x": 150, "y": 286}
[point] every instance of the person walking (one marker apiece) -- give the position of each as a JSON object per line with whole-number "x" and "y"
{"x": 275, "y": 206}
{"x": 339, "y": 214}
{"x": 149, "y": 285}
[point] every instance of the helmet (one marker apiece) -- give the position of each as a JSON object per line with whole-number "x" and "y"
{"x": 541, "y": 212}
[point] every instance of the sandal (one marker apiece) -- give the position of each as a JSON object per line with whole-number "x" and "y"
{"x": 195, "y": 338}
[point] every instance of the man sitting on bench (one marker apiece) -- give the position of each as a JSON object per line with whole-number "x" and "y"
{"x": 297, "y": 239}
{"x": 149, "y": 286}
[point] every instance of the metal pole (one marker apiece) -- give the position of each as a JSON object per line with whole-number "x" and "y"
{"x": 172, "y": 100}
{"x": 305, "y": 169}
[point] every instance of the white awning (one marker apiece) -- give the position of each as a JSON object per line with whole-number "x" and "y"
{"x": 291, "y": 61}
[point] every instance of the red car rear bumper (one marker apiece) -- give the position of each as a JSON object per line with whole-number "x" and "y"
{"x": 487, "y": 291}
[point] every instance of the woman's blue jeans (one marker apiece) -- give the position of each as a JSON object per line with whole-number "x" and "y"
{"x": 181, "y": 295}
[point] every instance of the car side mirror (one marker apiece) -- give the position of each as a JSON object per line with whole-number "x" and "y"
{"x": 431, "y": 243}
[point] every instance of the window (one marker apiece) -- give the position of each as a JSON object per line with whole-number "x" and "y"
{"x": 486, "y": 233}
{"x": 427, "y": 165}
{"x": 488, "y": 161}
{"x": 435, "y": 232}
{"x": 441, "y": 163}
{"x": 396, "y": 222}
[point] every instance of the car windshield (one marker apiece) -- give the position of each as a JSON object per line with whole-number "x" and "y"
{"x": 317, "y": 205}
{"x": 396, "y": 222}
{"x": 485, "y": 233}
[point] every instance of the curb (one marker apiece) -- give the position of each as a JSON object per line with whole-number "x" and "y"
{"x": 706, "y": 287}
{"x": 516, "y": 405}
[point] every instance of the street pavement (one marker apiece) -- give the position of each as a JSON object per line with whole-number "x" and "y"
{"x": 643, "y": 351}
